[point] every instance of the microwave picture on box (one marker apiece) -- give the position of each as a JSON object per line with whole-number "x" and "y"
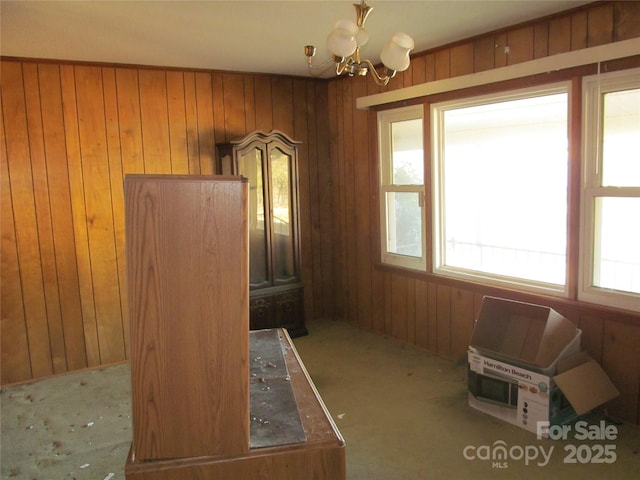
{"x": 516, "y": 395}
{"x": 493, "y": 389}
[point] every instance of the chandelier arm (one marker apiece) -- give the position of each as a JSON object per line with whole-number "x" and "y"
{"x": 380, "y": 80}
{"x": 316, "y": 70}
{"x": 341, "y": 65}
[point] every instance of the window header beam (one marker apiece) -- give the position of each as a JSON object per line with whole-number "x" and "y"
{"x": 561, "y": 61}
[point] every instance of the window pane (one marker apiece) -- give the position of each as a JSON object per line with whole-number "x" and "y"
{"x": 505, "y": 188}
{"x": 404, "y": 223}
{"x": 408, "y": 160}
{"x": 621, "y": 139}
{"x": 617, "y": 255}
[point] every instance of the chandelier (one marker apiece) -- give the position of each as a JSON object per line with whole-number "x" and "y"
{"x": 345, "y": 41}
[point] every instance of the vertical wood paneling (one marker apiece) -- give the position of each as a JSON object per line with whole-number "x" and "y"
{"x": 462, "y": 318}
{"x": 441, "y": 65}
{"x": 205, "y": 126}
{"x": 411, "y": 311}
{"x": 483, "y": 54}
{"x": 16, "y": 364}
{"x": 422, "y": 309}
{"x": 191, "y": 120}
{"x": 540, "y": 40}
{"x": 626, "y": 19}
{"x": 443, "y": 320}
{"x": 98, "y": 200}
{"x": 430, "y": 67}
{"x": 79, "y": 209}
{"x": 559, "y": 35}
{"x": 501, "y": 50}
{"x": 363, "y": 165}
{"x": 600, "y": 25}
{"x": 398, "y": 314}
{"x": 462, "y": 60}
{"x": 117, "y": 198}
{"x": 332, "y": 281}
{"x": 300, "y": 108}
{"x": 43, "y": 214}
{"x": 155, "y": 121}
{"x": 219, "y": 116}
{"x": 75, "y": 131}
{"x": 282, "y": 98}
{"x": 621, "y": 361}
{"x": 25, "y": 218}
{"x": 348, "y": 158}
{"x": 129, "y": 120}
{"x": 520, "y": 42}
{"x": 419, "y": 71}
{"x": 388, "y": 304}
{"x": 249, "y": 104}
{"x": 61, "y": 216}
{"x": 264, "y": 117}
{"x": 377, "y": 301}
{"x": 177, "y": 123}
{"x": 579, "y": 30}
{"x": 234, "y": 106}
{"x": 432, "y": 316}
{"x": 338, "y": 200}
{"x": 315, "y": 246}
{"x": 592, "y": 335}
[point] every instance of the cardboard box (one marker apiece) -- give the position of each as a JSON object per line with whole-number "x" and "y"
{"x": 533, "y": 397}
{"x": 536, "y": 397}
{"x": 533, "y": 336}
{"x": 525, "y": 366}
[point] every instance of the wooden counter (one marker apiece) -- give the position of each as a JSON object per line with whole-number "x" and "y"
{"x": 320, "y": 457}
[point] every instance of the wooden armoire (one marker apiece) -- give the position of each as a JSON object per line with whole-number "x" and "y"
{"x": 270, "y": 162}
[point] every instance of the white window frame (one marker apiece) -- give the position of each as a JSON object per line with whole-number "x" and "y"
{"x": 593, "y": 87}
{"x": 385, "y": 119}
{"x": 439, "y": 267}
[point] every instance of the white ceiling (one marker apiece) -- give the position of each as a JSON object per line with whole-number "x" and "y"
{"x": 246, "y": 36}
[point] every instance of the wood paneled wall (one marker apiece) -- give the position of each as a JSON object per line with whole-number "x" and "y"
{"x": 432, "y": 312}
{"x": 70, "y": 132}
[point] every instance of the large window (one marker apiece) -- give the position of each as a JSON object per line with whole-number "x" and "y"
{"x": 610, "y": 240}
{"x": 402, "y": 187}
{"x": 500, "y": 190}
{"x": 500, "y": 187}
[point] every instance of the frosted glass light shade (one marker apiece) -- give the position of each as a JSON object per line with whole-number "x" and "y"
{"x": 362, "y": 37}
{"x": 342, "y": 40}
{"x": 395, "y": 54}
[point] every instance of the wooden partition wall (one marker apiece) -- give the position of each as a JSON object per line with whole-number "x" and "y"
{"x": 426, "y": 310}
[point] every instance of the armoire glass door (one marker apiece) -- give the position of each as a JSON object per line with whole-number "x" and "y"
{"x": 251, "y": 165}
{"x": 282, "y": 216}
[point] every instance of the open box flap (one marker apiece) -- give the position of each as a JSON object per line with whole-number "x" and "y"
{"x": 524, "y": 333}
{"x": 586, "y": 386}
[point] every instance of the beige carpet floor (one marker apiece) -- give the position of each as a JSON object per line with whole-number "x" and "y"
{"x": 402, "y": 411}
